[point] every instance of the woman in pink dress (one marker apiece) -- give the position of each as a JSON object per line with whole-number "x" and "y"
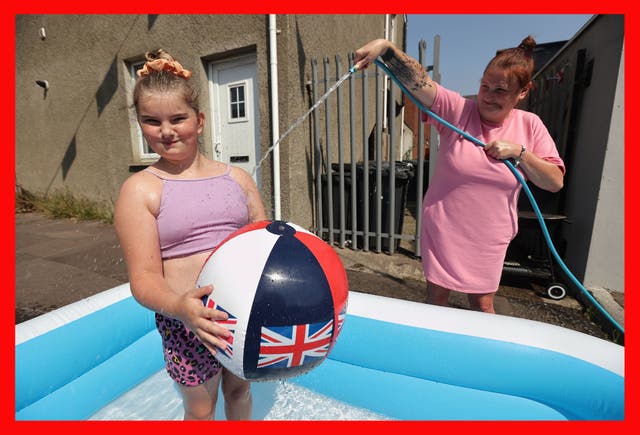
{"x": 470, "y": 209}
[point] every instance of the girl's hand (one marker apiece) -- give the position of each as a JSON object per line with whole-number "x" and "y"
{"x": 202, "y": 320}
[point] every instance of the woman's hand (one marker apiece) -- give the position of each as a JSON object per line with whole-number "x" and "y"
{"x": 542, "y": 173}
{"x": 502, "y": 150}
{"x": 202, "y": 320}
{"x": 405, "y": 68}
{"x": 368, "y": 53}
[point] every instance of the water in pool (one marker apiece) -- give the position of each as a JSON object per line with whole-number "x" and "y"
{"x": 158, "y": 399}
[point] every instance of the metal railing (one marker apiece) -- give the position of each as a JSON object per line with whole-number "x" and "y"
{"x": 362, "y": 179}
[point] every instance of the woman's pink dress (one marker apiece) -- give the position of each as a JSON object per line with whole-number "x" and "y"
{"x": 470, "y": 209}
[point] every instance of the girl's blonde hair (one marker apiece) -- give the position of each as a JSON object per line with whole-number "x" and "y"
{"x": 162, "y": 73}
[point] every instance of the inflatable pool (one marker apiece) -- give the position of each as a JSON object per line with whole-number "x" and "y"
{"x": 100, "y": 358}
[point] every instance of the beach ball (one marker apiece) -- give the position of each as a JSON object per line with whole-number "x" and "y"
{"x": 285, "y": 291}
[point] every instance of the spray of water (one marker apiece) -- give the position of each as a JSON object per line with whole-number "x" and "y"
{"x": 302, "y": 118}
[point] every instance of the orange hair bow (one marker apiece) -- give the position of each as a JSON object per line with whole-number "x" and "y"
{"x": 171, "y": 66}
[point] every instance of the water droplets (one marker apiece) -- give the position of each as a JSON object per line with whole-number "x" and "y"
{"x": 302, "y": 118}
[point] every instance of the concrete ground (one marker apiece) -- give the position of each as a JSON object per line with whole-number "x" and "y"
{"x": 60, "y": 261}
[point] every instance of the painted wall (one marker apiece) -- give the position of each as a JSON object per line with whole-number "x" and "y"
{"x": 605, "y": 264}
{"x": 584, "y": 112}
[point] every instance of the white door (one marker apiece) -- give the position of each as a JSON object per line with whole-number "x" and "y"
{"x": 234, "y": 104}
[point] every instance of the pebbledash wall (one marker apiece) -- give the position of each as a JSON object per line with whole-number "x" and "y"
{"x": 77, "y": 132}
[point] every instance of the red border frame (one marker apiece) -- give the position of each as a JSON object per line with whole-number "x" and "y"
{"x": 7, "y": 81}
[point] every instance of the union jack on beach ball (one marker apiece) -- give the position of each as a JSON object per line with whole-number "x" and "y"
{"x": 285, "y": 291}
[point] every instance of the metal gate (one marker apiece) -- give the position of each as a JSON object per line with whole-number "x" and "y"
{"x": 364, "y": 184}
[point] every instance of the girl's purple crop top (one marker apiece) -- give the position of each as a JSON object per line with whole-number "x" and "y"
{"x": 196, "y": 215}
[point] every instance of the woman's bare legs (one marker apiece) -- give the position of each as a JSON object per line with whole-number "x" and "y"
{"x": 481, "y": 302}
{"x": 438, "y": 295}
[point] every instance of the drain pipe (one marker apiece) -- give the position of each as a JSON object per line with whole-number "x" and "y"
{"x": 275, "y": 118}
{"x": 385, "y": 85}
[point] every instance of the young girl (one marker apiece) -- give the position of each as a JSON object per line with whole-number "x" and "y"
{"x": 470, "y": 208}
{"x": 168, "y": 218}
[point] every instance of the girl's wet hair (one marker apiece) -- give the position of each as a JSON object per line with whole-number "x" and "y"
{"x": 518, "y": 61}
{"x": 162, "y": 73}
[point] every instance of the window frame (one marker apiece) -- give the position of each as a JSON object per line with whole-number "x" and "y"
{"x": 236, "y": 85}
{"x": 142, "y": 154}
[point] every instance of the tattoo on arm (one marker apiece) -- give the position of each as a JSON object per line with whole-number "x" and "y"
{"x": 413, "y": 75}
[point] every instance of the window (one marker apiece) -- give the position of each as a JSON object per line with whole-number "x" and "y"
{"x": 141, "y": 151}
{"x": 237, "y": 102}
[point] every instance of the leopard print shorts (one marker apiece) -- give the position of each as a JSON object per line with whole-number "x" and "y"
{"x": 187, "y": 360}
